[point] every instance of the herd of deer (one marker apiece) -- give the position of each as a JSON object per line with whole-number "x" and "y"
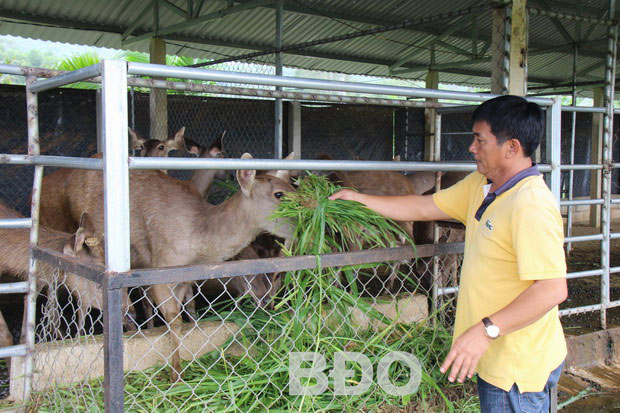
{"x": 172, "y": 224}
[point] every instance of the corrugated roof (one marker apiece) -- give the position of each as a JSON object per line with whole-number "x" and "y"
{"x": 99, "y": 23}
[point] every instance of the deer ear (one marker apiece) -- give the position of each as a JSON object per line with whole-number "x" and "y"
{"x": 245, "y": 177}
{"x": 396, "y": 158}
{"x": 87, "y": 224}
{"x": 75, "y": 243}
{"x": 136, "y": 142}
{"x": 215, "y": 152}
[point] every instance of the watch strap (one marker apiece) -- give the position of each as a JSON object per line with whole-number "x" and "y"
{"x": 487, "y": 322}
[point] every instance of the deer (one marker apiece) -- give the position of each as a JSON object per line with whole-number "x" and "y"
{"x": 154, "y": 147}
{"x": 85, "y": 244}
{"x": 172, "y": 225}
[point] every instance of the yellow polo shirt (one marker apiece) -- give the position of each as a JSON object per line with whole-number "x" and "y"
{"x": 518, "y": 239}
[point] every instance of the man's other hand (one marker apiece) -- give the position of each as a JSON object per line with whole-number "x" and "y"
{"x": 465, "y": 353}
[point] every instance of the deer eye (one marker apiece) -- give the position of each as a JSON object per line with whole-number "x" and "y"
{"x": 160, "y": 147}
{"x": 278, "y": 195}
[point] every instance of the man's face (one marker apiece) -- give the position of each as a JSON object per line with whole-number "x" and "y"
{"x": 489, "y": 155}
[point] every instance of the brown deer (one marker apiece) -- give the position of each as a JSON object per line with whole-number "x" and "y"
{"x": 172, "y": 225}
{"x": 155, "y": 147}
{"x": 85, "y": 244}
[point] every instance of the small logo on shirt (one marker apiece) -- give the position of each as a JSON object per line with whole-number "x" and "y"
{"x": 489, "y": 225}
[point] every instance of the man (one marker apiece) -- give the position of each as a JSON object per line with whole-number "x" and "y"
{"x": 507, "y": 328}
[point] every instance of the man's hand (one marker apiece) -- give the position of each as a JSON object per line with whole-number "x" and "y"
{"x": 345, "y": 194}
{"x": 465, "y": 353}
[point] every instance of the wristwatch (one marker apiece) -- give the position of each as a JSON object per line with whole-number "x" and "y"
{"x": 492, "y": 331}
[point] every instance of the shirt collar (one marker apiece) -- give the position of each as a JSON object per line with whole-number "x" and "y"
{"x": 490, "y": 196}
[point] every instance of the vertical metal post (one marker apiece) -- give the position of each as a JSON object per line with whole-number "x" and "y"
{"x": 436, "y": 158}
{"x": 30, "y": 314}
{"x": 608, "y": 120}
{"x": 554, "y": 146}
{"x": 294, "y": 128}
{"x": 116, "y": 209}
{"x": 571, "y": 173}
{"x": 277, "y": 153}
{"x": 506, "y": 51}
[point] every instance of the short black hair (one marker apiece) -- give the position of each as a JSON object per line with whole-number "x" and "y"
{"x": 512, "y": 117}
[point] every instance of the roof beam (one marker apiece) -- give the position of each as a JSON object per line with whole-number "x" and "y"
{"x": 198, "y": 20}
{"x": 173, "y": 8}
{"x": 300, "y": 9}
{"x": 137, "y": 21}
{"x": 556, "y": 23}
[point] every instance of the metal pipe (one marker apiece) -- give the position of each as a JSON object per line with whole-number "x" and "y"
{"x": 581, "y": 202}
{"x": 614, "y": 270}
{"x": 582, "y": 274}
{"x": 615, "y": 235}
{"x": 583, "y": 109}
{"x": 277, "y": 149}
{"x": 580, "y": 167}
{"x": 507, "y": 32}
{"x": 15, "y": 223}
{"x": 305, "y": 83}
{"x": 608, "y": 120}
{"x": 116, "y": 222}
{"x": 579, "y": 310}
{"x": 435, "y": 275}
{"x": 448, "y": 290}
{"x": 253, "y": 92}
{"x": 66, "y": 78}
{"x": 571, "y": 172}
{"x": 57, "y": 161}
{"x": 301, "y": 164}
{"x": 14, "y": 288}
{"x": 30, "y": 312}
{"x": 615, "y": 201}
{"x": 554, "y": 143}
{"x": 13, "y": 351}
{"x": 584, "y": 238}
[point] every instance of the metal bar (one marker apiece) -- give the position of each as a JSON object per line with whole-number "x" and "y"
{"x": 69, "y": 264}
{"x": 579, "y": 310}
{"x": 47, "y": 160}
{"x": 66, "y": 78}
{"x": 608, "y": 134}
{"x": 140, "y": 277}
{"x": 14, "y": 288}
{"x": 507, "y": 33}
{"x": 554, "y": 143}
{"x": 582, "y": 274}
{"x": 13, "y": 351}
{"x": 436, "y": 154}
{"x": 584, "y": 238}
{"x": 571, "y": 17}
{"x": 318, "y": 97}
{"x": 15, "y": 223}
{"x": 615, "y": 201}
{"x": 580, "y": 167}
{"x": 614, "y": 304}
{"x": 116, "y": 223}
{"x": 614, "y": 270}
{"x": 615, "y": 235}
{"x": 584, "y": 109}
{"x": 305, "y": 83}
{"x": 113, "y": 347}
{"x": 175, "y": 9}
{"x": 302, "y": 164}
{"x": 571, "y": 172}
{"x": 198, "y": 20}
{"x": 30, "y": 312}
{"x": 581, "y": 202}
{"x": 277, "y": 151}
{"x": 448, "y": 290}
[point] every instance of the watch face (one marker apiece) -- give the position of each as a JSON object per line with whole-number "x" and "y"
{"x": 493, "y": 331}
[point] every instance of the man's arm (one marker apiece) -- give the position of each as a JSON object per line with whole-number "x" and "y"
{"x": 529, "y": 306}
{"x": 399, "y": 208}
